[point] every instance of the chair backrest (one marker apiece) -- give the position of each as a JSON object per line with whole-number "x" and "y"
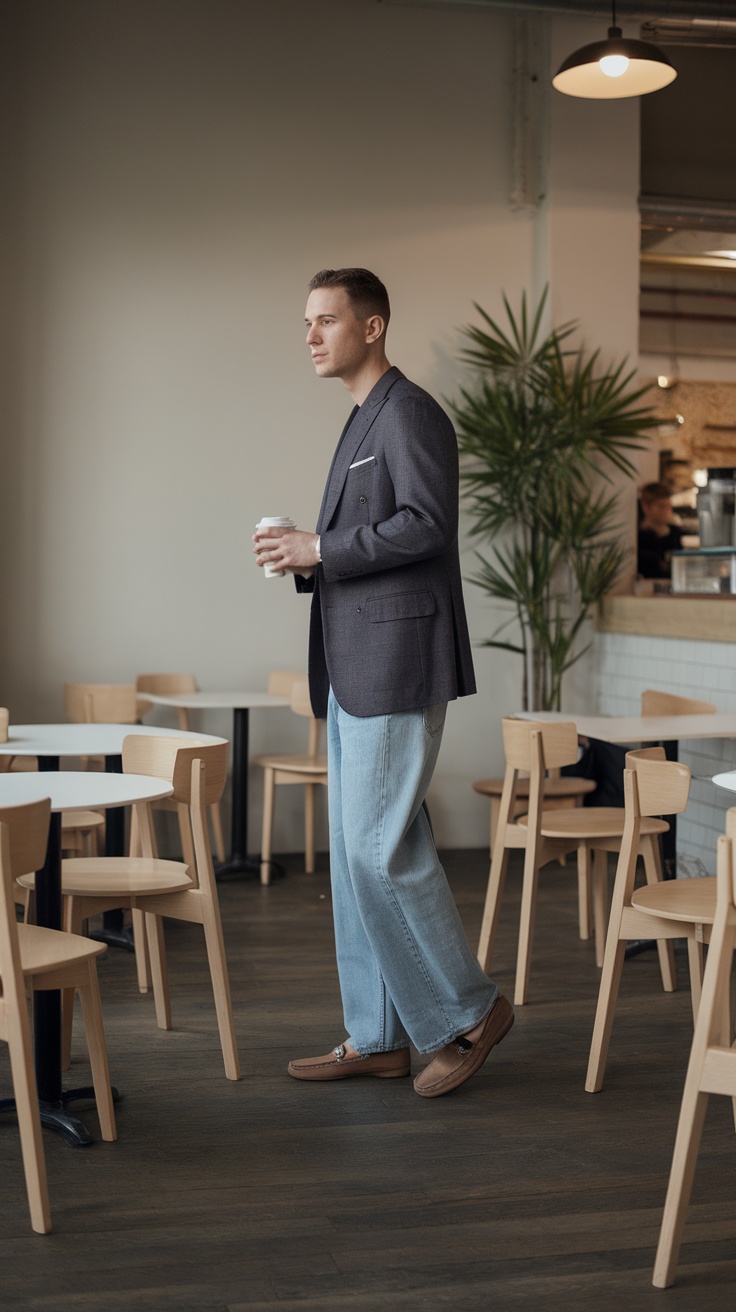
{"x": 281, "y": 682}
{"x": 668, "y": 703}
{"x": 166, "y": 685}
{"x": 171, "y": 759}
{"x": 302, "y": 705}
{"x": 4, "y": 721}
{"x": 100, "y": 703}
{"x": 26, "y": 839}
{"x": 662, "y": 786}
{"x": 559, "y": 743}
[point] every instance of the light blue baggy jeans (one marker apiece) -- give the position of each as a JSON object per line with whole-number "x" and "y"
{"x": 406, "y": 971}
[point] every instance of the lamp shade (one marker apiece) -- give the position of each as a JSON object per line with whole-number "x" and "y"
{"x": 612, "y": 69}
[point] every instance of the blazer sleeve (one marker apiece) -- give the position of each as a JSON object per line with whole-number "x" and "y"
{"x": 421, "y": 460}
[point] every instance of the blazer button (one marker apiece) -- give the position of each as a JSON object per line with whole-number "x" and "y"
{"x": 363, "y": 500}
{"x": 359, "y": 609}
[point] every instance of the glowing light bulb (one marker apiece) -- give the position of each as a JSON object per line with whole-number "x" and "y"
{"x": 613, "y": 65}
{"x": 663, "y": 381}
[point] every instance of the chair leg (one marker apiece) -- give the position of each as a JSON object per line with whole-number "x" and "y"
{"x": 217, "y": 834}
{"x": 665, "y": 947}
{"x": 600, "y": 902}
{"x": 695, "y": 964}
{"x": 159, "y": 972}
{"x": 309, "y": 828}
{"x": 492, "y": 908}
{"x": 89, "y": 996}
{"x": 29, "y": 1121}
{"x": 140, "y": 943}
{"x": 584, "y": 891}
{"x": 613, "y": 961}
{"x": 495, "y": 811}
{"x": 73, "y": 923}
{"x": 269, "y": 789}
{"x": 526, "y": 926}
{"x": 221, "y": 991}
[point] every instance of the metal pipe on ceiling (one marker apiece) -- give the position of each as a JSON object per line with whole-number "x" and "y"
{"x": 718, "y": 13}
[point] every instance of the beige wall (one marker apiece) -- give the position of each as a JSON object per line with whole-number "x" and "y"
{"x": 187, "y": 165}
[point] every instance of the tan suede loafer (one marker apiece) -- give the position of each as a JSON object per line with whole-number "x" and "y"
{"x": 457, "y": 1061}
{"x": 338, "y": 1065}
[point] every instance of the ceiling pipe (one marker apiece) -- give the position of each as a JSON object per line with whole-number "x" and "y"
{"x": 715, "y": 13}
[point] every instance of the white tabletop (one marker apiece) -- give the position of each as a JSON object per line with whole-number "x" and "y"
{"x": 84, "y": 739}
{"x": 210, "y": 701}
{"x": 642, "y": 728}
{"x": 74, "y": 790}
{"x": 726, "y": 780}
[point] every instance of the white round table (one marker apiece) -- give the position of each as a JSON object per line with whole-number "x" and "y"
{"x": 241, "y": 703}
{"x": 68, "y": 791}
{"x": 49, "y": 742}
{"x": 726, "y": 780}
{"x": 55, "y": 740}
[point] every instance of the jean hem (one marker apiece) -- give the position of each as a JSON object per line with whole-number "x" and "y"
{"x": 463, "y": 1029}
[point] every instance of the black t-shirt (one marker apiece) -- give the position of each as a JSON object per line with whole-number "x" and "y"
{"x": 653, "y": 556}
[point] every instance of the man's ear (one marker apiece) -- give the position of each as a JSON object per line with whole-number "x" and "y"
{"x": 374, "y": 328}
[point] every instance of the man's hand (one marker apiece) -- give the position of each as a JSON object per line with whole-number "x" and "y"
{"x": 290, "y": 550}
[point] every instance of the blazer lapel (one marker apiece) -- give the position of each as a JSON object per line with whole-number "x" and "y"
{"x": 352, "y": 437}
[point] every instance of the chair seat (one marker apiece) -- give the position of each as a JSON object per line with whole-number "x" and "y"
{"x": 46, "y": 950}
{"x": 82, "y": 820}
{"x": 127, "y": 876}
{"x": 565, "y": 786}
{"x": 299, "y": 764}
{"x": 592, "y": 822}
{"x": 692, "y": 900}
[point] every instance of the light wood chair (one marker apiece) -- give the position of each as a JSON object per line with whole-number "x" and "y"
{"x": 533, "y": 747}
{"x": 169, "y": 685}
{"x": 668, "y": 703}
{"x": 561, "y": 791}
{"x": 37, "y": 958}
{"x": 162, "y": 888}
{"x": 100, "y": 703}
{"x": 712, "y": 1065}
{"x": 675, "y": 908}
{"x": 309, "y": 770}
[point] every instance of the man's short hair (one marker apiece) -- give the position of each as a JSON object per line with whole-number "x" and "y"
{"x": 366, "y": 292}
{"x": 652, "y": 492}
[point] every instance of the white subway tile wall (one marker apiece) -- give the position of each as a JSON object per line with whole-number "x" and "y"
{"x": 625, "y": 665}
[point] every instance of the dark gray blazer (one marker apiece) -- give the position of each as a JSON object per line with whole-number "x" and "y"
{"x": 388, "y": 628}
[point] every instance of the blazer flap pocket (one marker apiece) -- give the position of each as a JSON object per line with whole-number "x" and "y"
{"x": 400, "y": 606}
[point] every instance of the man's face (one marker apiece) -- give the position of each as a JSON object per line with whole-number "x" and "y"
{"x": 660, "y": 512}
{"x": 335, "y": 336}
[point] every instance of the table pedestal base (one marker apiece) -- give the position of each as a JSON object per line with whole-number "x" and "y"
{"x": 55, "y": 1116}
{"x": 115, "y": 938}
{"x": 247, "y": 867}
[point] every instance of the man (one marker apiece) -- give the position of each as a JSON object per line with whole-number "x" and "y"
{"x": 388, "y": 649}
{"x": 658, "y": 537}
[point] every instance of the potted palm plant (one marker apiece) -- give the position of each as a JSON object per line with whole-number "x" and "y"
{"x": 540, "y": 435}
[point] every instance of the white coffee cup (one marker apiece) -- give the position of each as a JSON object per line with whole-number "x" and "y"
{"x": 274, "y": 521}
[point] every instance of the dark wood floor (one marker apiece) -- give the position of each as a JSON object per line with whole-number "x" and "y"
{"x": 518, "y": 1191}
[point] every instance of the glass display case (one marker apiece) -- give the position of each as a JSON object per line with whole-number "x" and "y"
{"x": 708, "y": 571}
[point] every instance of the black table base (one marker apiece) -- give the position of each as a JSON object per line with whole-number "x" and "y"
{"x": 239, "y": 865}
{"x": 247, "y": 867}
{"x": 55, "y": 1116}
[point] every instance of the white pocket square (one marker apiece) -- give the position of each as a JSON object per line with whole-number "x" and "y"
{"x": 362, "y": 462}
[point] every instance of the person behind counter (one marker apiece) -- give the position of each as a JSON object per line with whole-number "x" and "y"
{"x": 658, "y": 536}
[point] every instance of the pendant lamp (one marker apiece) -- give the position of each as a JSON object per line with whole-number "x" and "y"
{"x": 612, "y": 69}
